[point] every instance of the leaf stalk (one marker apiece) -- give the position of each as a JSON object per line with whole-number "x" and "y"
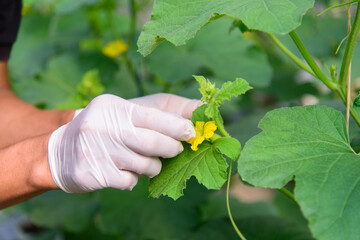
{"x": 336, "y": 87}
{"x": 348, "y": 92}
{"x": 228, "y": 204}
{"x": 292, "y": 56}
{"x": 336, "y": 6}
{"x": 221, "y": 128}
{"x": 309, "y": 59}
{"x": 288, "y": 194}
{"x": 349, "y": 50}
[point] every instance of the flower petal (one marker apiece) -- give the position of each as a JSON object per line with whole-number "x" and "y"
{"x": 209, "y": 129}
{"x": 199, "y": 125}
{"x": 191, "y": 140}
{"x": 115, "y": 48}
{"x": 197, "y": 141}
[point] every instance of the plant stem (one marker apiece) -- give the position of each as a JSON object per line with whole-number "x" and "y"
{"x": 349, "y": 50}
{"x": 308, "y": 58}
{"x": 288, "y": 194}
{"x": 336, "y": 6}
{"x": 292, "y": 56}
{"x": 221, "y": 128}
{"x": 319, "y": 74}
{"x": 228, "y": 204}
{"x": 215, "y": 137}
{"x": 348, "y": 92}
{"x": 348, "y": 100}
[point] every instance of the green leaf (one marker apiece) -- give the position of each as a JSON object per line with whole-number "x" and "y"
{"x": 56, "y": 84}
{"x": 87, "y": 89}
{"x": 229, "y": 147}
{"x": 206, "y": 164}
{"x": 310, "y": 145}
{"x": 214, "y": 97}
{"x": 90, "y": 85}
{"x": 179, "y": 20}
{"x": 207, "y": 89}
{"x": 226, "y": 57}
{"x": 199, "y": 114}
{"x": 232, "y": 89}
{"x": 212, "y": 110}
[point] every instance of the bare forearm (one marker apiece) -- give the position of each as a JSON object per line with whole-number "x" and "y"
{"x": 24, "y": 171}
{"x": 24, "y": 135}
{"x": 20, "y": 120}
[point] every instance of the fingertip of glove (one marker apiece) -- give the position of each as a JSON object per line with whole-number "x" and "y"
{"x": 181, "y": 148}
{"x": 198, "y": 103}
{"x": 131, "y": 187}
{"x": 189, "y": 131}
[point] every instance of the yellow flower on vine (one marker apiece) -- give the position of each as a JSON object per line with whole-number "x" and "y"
{"x": 115, "y": 48}
{"x": 203, "y": 131}
{"x": 25, "y": 9}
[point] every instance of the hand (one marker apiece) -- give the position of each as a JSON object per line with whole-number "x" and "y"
{"x": 169, "y": 103}
{"x": 113, "y": 141}
{"x": 166, "y": 102}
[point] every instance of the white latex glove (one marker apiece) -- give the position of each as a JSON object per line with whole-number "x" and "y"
{"x": 77, "y": 112}
{"x": 113, "y": 141}
{"x": 167, "y": 102}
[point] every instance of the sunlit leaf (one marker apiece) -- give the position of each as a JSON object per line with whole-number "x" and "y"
{"x": 310, "y": 145}
{"x": 178, "y": 20}
{"x": 206, "y": 164}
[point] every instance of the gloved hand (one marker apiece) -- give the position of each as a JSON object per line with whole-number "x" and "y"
{"x": 113, "y": 141}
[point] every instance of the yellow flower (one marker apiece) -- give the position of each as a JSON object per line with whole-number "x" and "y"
{"x": 25, "y": 9}
{"x": 115, "y": 48}
{"x": 203, "y": 131}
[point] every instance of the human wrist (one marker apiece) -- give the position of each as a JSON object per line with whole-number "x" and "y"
{"x": 64, "y": 116}
{"x": 24, "y": 171}
{"x": 40, "y": 176}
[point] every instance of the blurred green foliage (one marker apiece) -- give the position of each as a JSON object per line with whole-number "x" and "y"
{"x": 57, "y": 63}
